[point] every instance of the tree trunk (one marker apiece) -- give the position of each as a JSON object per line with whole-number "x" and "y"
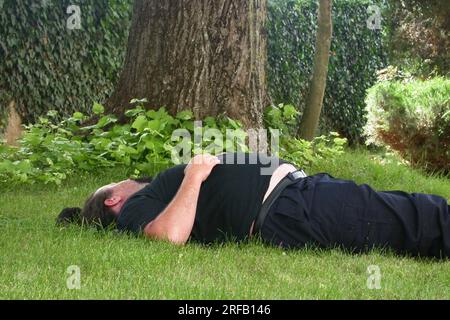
{"x": 14, "y": 127}
{"x": 200, "y": 55}
{"x": 314, "y": 102}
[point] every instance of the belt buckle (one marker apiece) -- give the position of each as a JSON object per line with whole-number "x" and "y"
{"x": 297, "y": 175}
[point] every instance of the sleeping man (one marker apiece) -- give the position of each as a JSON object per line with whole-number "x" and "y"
{"x": 237, "y": 196}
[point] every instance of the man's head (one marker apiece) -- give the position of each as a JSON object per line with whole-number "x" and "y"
{"x": 103, "y": 206}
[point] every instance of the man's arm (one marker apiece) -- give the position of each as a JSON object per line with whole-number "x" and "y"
{"x": 175, "y": 223}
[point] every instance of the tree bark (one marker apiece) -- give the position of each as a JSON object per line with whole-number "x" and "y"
{"x": 310, "y": 120}
{"x": 14, "y": 127}
{"x": 200, "y": 55}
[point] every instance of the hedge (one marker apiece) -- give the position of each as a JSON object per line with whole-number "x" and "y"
{"x": 46, "y": 65}
{"x": 412, "y": 118}
{"x": 357, "y": 53}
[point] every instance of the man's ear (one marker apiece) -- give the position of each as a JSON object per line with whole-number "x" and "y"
{"x": 111, "y": 202}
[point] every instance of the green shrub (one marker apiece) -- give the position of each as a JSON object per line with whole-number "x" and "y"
{"x": 297, "y": 151}
{"x": 412, "y": 118}
{"x": 357, "y": 53}
{"x": 51, "y": 150}
{"x": 46, "y": 66}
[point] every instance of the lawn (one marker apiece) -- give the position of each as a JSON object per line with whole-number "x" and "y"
{"x": 35, "y": 254}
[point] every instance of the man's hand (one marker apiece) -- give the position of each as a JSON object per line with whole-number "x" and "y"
{"x": 200, "y": 166}
{"x": 175, "y": 223}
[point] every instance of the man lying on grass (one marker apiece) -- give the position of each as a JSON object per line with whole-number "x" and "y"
{"x": 231, "y": 198}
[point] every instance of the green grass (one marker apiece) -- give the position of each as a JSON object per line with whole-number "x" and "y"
{"x": 35, "y": 254}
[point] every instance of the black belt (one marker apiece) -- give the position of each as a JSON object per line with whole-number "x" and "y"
{"x": 290, "y": 178}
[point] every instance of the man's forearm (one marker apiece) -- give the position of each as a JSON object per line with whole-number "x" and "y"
{"x": 175, "y": 223}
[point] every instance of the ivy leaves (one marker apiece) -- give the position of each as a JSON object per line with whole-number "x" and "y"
{"x": 46, "y": 66}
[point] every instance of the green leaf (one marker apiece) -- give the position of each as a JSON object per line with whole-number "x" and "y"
{"x": 98, "y": 109}
{"x": 133, "y": 112}
{"x": 140, "y": 123}
{"x": 104, "y": 121}
{"x": 154, "y": 125}
{"x": 24, "y": 166}
{"x": 289, "y": 111}
{"x": 78, "y": 116}
{"x": 185, "y": 115}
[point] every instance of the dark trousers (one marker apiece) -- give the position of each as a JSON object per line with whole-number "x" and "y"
{"x": 327, "y": 212}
